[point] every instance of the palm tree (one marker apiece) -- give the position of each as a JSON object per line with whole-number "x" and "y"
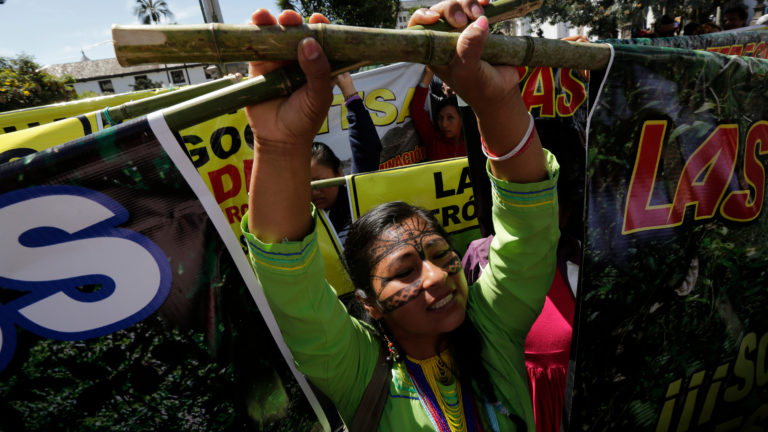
{"x": 150, "y": 11}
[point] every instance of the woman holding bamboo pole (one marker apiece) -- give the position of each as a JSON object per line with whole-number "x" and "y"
{"x": 456, "y": 352}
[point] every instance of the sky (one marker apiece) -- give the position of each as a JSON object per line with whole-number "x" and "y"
{"x": 55, "y": 31}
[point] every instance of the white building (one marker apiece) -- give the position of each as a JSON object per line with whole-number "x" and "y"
{"x": 107, "y": 76}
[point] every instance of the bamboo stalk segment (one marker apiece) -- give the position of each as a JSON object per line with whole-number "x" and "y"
{"x": 222, "y": 43}
{"x": 140, "y": 107}
{"x": 335, "y": 181}
{"x": 278, "y": 83}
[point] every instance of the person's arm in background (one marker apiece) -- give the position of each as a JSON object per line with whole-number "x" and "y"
{"x": 420, "y": 116}
{"x": 363, "y": 137}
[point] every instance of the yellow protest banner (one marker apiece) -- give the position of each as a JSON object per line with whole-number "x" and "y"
{"x": 331, "y": 250}
{"x": 443, "y": 187}
{"x": 21, "y": 143}
{"x": 17, "y": 120}
{"x": 222, "y": 151}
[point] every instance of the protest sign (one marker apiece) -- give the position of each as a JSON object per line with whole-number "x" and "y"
{"x": 671, "y": 333}
{"x": 222, "y": 148}
{"x": 27, "y": 141}
{"x": 442, "y": 187}
{"x": 12, "y": 121}
{"x": 127, "y": 303}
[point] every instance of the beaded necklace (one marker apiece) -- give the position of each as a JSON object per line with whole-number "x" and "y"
{"x": 449, "y": 409}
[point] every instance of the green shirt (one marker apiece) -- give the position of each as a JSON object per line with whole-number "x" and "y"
{"x": 337, "y": 353}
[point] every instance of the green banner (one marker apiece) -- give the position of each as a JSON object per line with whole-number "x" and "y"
{"x": 671, "y": 332}
{"x": 745, "y": 43}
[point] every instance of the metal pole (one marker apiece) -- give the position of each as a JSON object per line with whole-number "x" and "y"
{"x": 212, "y": 14}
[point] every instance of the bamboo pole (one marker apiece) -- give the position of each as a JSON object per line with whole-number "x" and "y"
{"x": 335, "y": 181}
{"x": 221, "y": 43}
{"x": 138, "y": 108}
{"x": 170, "y": 44}
{"x": 283, "y": 82}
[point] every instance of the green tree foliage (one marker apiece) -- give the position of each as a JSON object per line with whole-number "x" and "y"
{"x": 152, "y": 11}
{"x": 24, "y": 85}
{"x": 145, "y": 84}
{"x": 366, "y": 13}
{"x": 606, "y": 17}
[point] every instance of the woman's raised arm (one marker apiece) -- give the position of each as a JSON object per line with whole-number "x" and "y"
{"x": 283, "y": 130}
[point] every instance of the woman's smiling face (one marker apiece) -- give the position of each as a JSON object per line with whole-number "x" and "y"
{"x": 419, "y": 283}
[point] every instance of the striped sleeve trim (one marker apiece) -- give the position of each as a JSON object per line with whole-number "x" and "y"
{"x": 524, "y": 199}
{"x": 528, "y": 194}
{"x": 268, "y": 260}
{"x": 281, "y": 256}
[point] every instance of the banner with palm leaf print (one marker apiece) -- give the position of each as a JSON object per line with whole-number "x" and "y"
{"x": 126, "y": 302}
{"x": 671, "y": 333}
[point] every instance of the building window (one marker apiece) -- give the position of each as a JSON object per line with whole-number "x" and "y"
{"x": 141, "y": 77}
{"x": 106, "y": 86}
{"x": 177, "y": 76}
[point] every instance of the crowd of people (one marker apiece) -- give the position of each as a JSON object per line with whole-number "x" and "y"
{"x": 733, "y": 17}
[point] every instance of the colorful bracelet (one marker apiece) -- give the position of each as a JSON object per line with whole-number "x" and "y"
{"x": 524, "y": 143}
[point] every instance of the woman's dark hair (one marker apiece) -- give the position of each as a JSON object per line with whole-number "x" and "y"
{"x": 323, "y": 154}
{"x": 464, "y": 342}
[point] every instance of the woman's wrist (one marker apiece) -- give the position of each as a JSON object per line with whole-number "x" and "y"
{"x": 516, "y": 150}
{"x": 503, "y": 127}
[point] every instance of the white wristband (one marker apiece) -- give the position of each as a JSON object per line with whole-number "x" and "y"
{"x": 518, "y": 148}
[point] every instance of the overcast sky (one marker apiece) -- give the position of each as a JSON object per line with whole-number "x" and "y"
{"x": 54, "y": 31}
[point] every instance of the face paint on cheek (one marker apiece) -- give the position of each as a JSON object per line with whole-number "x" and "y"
{"x": 453, "y": 266}
{"x": 401, "y": 297}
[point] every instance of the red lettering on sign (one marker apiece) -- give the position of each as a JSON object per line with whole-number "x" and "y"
{"x": 736, "y": 50}
{"x": 225, "y": 182}
{"x": 706, "y": 175}
{"x": 233, "y": 214}
{"x": 639, "y": 214}
{"x": 416, "y": 155}
{"x": 749, "y": 49}
{"x": 745, "y": 205}
{"x": 539, "y": 91}
{"x": 577, "y": 93}
{"x": 760, "y": 51}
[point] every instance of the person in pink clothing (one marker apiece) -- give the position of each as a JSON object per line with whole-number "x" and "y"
{"x": 548, "y": 344}
{"x": 447, "y": 140}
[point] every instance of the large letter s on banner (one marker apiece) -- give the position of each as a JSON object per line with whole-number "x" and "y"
{"x": 84, "y": 277}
